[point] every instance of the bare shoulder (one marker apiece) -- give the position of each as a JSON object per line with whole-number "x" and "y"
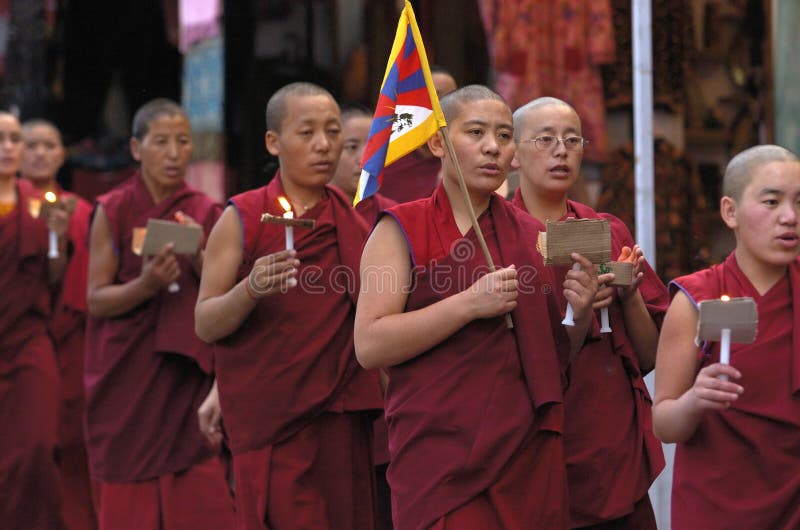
{"x": 387, "y": 243}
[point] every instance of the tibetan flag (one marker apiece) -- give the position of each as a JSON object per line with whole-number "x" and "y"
{"x": 408, "y": 111}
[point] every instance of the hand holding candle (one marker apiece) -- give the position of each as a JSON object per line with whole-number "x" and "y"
{"x": 161, "y": 269}
{"x": 573, "y": 240}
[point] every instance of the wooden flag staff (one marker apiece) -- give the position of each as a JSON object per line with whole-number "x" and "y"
{"x": 473, "y": 219}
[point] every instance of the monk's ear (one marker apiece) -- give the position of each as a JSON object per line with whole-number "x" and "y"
{"x": 272, "y": 143}
{"x": 727, "y": 210}
{"x": 135, "y": 147}
{"x": 436, "y": 145}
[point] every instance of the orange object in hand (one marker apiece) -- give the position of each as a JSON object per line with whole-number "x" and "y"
{"x": 626, "y": 254}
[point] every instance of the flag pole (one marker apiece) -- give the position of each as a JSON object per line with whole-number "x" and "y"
{"x": 472, "y": 217}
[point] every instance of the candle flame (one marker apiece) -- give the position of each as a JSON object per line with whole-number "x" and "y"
{"x": 725, "y": 298}
{"x": 286, "y": 205}
{"x": 50, "y": 196}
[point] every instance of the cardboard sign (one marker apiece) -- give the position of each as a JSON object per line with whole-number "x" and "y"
{"x": 150, "y": 240}
{"x": 591, "y": 238}
{"x": 623, "y": 272}
{"x": 740, "y": 315}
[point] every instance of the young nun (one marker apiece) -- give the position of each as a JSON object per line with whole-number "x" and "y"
{"x": 42, "y": 158}
{"x": 737, "y": 463}
{"x": 29, "y": 382}
{"x": 297, "y": 408}
{"x": 474, "y": 409}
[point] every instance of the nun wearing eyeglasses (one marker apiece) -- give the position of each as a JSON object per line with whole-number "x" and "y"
{"x": 611, "y": 454}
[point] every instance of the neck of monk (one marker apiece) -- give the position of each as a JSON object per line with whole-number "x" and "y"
{"x": 479, "y": 200}
{"x": 762, "y": 275}
{"x": 302, "y": 198}
{"x": 8, "y": 193}
{"x": 544, "y": 207}
{"x": 157, "y": 192}
{"x": 44, "y": 185}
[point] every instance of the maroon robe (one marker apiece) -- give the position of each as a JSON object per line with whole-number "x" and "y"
{"x": 67, "y": 326}
{"x": 611, "y": 452}
{"x": 412, "y": 177}
{"x": 370, "y": 207}
{"x": 289, "y": 373}
{"x": 29, "y": 491}
{"x": 145, "y": 373}
{"x": 741, "y": 467}
{"x": 468, "y": 412}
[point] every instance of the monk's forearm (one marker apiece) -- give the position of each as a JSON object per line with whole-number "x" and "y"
{"x": 217, "y": 317}
{"x": 399, "y": 337}
{"x": 577, "y": 335}
{"x": 641, "y": 330}
{"x": 674, "y": 420}
{"x": 114, "y": 300}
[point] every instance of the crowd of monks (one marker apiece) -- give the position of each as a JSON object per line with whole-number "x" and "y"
{"x": 376, "y": 373}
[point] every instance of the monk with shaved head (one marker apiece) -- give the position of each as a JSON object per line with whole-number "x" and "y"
{"x": 474, "y": 409}
{"x": 737, "y": 463}
{"x": 297, "y": 408}
{"x": 612, "y": 456}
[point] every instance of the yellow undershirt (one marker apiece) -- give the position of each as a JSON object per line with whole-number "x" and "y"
{"x": 6, "y": 208}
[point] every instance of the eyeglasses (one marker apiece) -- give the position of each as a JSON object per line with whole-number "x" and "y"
{"x": 543, "y": 143}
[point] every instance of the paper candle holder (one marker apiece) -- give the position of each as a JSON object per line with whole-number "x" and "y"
{"x": 591, "y": 238}
{"x": 739, "y": 315}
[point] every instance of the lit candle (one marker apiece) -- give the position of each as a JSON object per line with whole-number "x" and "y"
{"x": 569, "y": 317}
{"x": 52, "y": 250}
{"x": 288, "y": 214}
{"x": 725, "y": 342}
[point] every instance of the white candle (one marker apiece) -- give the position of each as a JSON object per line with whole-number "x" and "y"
{"x": 52, "y": 240}
{"x": 289, "y": 231}
{"x": 725, "y": 342}
{"x": 605, "y": 326}
{"x": 52, "y": 247}
{"x": 569, "y": 318}
{"x": 725, "y": 349}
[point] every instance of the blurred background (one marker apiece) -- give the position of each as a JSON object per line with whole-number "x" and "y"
{"x": 722, "y": 80}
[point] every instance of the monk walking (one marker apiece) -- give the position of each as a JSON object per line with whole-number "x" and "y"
{"x": 146, "y": 371}
{"x": 737, "y": 460}
{"x": 29, "y": 383}
{"x": 611, "y": 453}
{"x": 475, "y": 410}
{"x": 296, "y": 406}
{"x": 43, "y": 156}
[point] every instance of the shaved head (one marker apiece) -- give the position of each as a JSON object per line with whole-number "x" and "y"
{"x": 40, "y": 122}
{"x": 521, "y": 114}
{"x": 453, "y": 102}
{"x": 740, "y": 169}
{"x": 277, "y": 104}
{"x": 151, "y": 110}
